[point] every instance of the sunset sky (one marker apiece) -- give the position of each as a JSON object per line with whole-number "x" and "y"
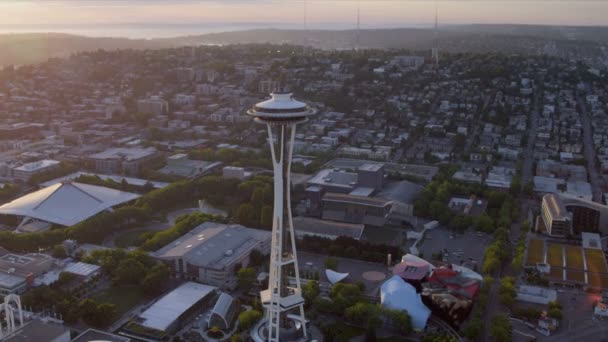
{"x": 318, "y": 12}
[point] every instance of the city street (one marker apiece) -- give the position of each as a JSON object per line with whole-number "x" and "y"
{"x": 597, "y": 183}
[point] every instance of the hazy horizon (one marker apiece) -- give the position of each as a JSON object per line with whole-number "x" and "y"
{"x": 163, "y": 18}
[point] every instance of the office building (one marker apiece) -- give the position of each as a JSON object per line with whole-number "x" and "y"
{"x": 24, "y": 172}
{"x": 123, "y": 160}
{"x": 154, "y": 106}
{"x": 212, "y": 253}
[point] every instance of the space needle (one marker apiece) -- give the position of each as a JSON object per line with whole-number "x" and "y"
{"x": 283, "y": 299}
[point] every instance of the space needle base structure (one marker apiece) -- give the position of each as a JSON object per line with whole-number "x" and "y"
{"x": 283, "y": 301}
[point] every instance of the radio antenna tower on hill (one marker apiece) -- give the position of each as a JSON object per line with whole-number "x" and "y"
{"x": 435, "y": 49}
{"x": 358, "y": 26}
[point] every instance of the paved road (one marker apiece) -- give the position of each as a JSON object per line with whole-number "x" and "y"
{"x": 477, "y": 124}
{"x": 597, "y": 183}
{"x": 527, "y": 169}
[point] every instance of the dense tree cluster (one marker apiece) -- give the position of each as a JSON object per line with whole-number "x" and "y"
{"x": 135, "y": 268}
{"x": 112, "y": 184}
{"x": 474, "y": 327}
{"x": 433, "y": 203}
{"x": 520, "y": 248}
{"x": 348, "y": 248}
{"x": 247, "y": 319}
{"x": 234, "y": 157}
{"x": 346, "y": 301}
{"x": 555, "y": 310}
{"x": 246, "y": 277}
{"x": 507, "y": 291}
{"x": 183, "y": 225}
{"x": 8, "y": 191}
{"x": 500, "y": 328}
{"x": 497, "y": 253}
{"x": 66, "y": 304}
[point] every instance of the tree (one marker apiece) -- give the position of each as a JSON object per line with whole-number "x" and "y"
{"x": 256, "y": 258}
{"x": 88, "y": 310}
{"x": 400, "y": 319}
{"x": 310, "y": 291}
{"x": 507, "y": 291}
{"x": 500, "y": 328}
{"x": 106, "y": 313}
{"x": 555, "y": 310}
{"x": 246, "y": 278}
{"x": 248, "y": 319}
{"x": 247, "y": 215}
{"x": 95, "y": 314}
{"x": 154, "y": 282}
{"x": 364, "y": 314}
{"x": 59, "y": 252}
{"x": 129, "y": 272}
{"x": 345, "y": 295}
{"x": 266, "y": 217}
{"x": 331, "y": 264}
{"x": 473, "y": 328}
{"x": 484, "y": 223}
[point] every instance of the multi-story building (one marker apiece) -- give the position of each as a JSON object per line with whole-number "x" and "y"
{"x": 19, "y": 130}
{"x": 123, "y": 160}
{"x": 212, "y": 253}
{"x": 564, "y": 215}
{"x": 556, "y": 219}
{"x": 154, "y": 105}
{"x": 26, "y": 171}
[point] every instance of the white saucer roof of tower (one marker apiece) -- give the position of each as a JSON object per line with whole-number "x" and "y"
{"x": 281, "y": 108}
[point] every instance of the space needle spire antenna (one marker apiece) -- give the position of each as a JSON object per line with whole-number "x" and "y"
{"x": 305, "y": 23}
{"x": 357, "y": 33}
{"x": 283, "y": 299}
{"x": 435, "y": 49}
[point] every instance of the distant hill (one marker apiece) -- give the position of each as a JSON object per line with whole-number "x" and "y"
{"x": 36, "y": 47}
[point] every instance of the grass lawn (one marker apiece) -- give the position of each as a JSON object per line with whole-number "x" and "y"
{"x": 123, "y": 297}
{"x": 596, "y": 262}
{"x": 594, "y": 279}
{"x": 536, "y": 250}
{"x": 578, "y": 276}
{"x": 555, "y": 255}
{"x": 130, "y": 239}
{"x": 574, "y": 257}
{"x": 556, "y": 273}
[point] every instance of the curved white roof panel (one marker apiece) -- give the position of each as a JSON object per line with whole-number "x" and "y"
{"x": 66, "y": 203}
{"x": 396, "y": 294}
{"x": 335, "y": 277}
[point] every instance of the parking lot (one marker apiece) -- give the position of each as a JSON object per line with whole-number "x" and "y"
{"x": 357, "y": 270}
{"x": 466, "y": 249}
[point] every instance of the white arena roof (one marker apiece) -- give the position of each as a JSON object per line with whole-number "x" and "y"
{"x": 66, "y": 203}
{"x": 166, "y": 310}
